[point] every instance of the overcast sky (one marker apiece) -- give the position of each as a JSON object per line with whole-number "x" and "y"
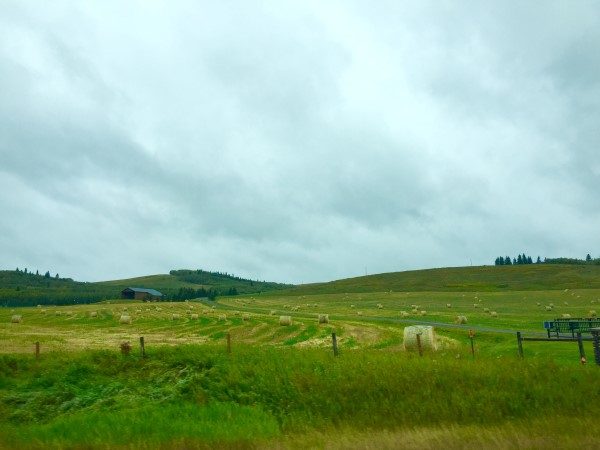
{"x": 296, "y": 141}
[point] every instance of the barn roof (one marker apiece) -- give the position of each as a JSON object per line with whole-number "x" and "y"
{"x": 147, "y": 291}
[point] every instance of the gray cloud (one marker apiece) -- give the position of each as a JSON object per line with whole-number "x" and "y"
{"x": 295, "y": 141}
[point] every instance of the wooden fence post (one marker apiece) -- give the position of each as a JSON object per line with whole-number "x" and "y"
{"x": 37, "y": 350}
{"x": 335, "y": 346}
{"x": 228, "y": 342}
{"x": 596, "y": 337}
{"x": 419, "y": 346}
{"x": 142, "y": 347}
{"x": 472, "y": 337}
{"x": 520, "y": 344}
{"x": 581, "y": 349}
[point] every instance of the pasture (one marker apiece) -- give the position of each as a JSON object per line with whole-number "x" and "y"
{"x": 281, "y": 386}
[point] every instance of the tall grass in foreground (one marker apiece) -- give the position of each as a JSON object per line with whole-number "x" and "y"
{"x": 202, "y": 395}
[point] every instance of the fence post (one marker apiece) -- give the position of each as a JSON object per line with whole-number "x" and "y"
{"x": 419, "y": 346}
{"x": 142, "y": 347}
{"x": 520, "y": 344}
{"x": 596, "y": 337}
{"x": 335, "y": 346}
{"x": 472, "y": 337}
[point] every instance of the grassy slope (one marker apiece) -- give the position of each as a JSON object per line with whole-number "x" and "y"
{"x": 464, "y": 279}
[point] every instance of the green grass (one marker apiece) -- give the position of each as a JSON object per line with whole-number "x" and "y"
{"x": 465, "y": 279}
{"x": 281, "y": 387}
{"x": 203, "y": 395}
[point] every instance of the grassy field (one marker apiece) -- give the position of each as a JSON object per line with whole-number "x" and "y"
{"x": 281, "y": 386}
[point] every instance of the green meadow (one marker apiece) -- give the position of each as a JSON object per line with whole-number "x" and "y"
{"x": 281, "y": 386}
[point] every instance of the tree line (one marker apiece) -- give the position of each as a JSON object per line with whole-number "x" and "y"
{"x": 524, "y": 259}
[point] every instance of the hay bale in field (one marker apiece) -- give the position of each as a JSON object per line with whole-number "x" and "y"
{"x": 461, "y": 320}
{"x": 548, "y": 308}
{"x": 323, "y": 318}
{"x": 352, "y": 306}
{"x": 379, "y": 305}
{"x": 551, "y": 305}
{"x": 566, "y": 303}
{"x": 138, "y": 311}
{"x": 404, "y": 314}
{"x": 125, "y": 319}
{"x": 423, "y": 312}
{"x": 475, "y": 305}
{"x": 222, "y": 317}
{"x": 175, "y": 316}
{"x": 592, "y": 313}
{"x": 285, "y": 321}
{"x": 538, "y": 304}
{"x": 448, "y": 305}
{"x": 565, "y": 316}
{"x": 428, "y": 338}
{"x": 93, "y": 314}
{"x": 194, "y": 316}
{"x": 414, "y": 311}
{"x": 486, "y": 310}
{"x": 272, "y": 312}
{"x": 58, "y": 313}
{"x": 245, "y": 317}
{"x": 359, "y": 313}
{"x": 493, "y": 314}
{"x": 16, "y": 318}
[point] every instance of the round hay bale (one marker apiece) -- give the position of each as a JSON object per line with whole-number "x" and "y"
{"x": 592, "y": 313}
{"x": 475, "y": 305}
{"x": 379, "y": 305}
{"x": 404, "y": 314}
{"x": 548, "y": 308}
{"x": 565, "y": 316}
{"x": 448, "y": 305}
{"x": 551, "y": 305}
{"x": 352, "y": 306}
{"x": 222, "y": 317}
{"x": 175, "y": 316}
{"x": 194, "y": 316}
{"x": 16, "y": 318}
{"x": 486, "y": 310}
{"x": 285, "y": 321}
{"x": 125, "y": 319}
{"x": 323, "y": 318}
{"x": 428, "y": 338}
{"x": 245, "y": 317}
{"x": 493, "y": 314}
{"x": 93, "y": 314}
{"x": 272, "y": 312}
{"x": 359, "y": 313}
{"x": 538, "y": 304}
{"x": 423, "y": 313}
{"x": 566, "y": 303}
{"x": 461, "y": 320}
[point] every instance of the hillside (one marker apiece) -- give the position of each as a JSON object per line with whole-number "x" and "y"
{"x": 27, "y": 289}
{"x": 457, "y": 279}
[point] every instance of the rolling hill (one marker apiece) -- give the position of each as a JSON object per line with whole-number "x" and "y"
{"x": 464, "y": 279}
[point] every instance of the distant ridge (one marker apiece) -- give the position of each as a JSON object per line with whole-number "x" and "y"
{"x": 480, "y": 278}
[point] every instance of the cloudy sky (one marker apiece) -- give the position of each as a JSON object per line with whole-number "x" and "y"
{"x": 296, "y": 141}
